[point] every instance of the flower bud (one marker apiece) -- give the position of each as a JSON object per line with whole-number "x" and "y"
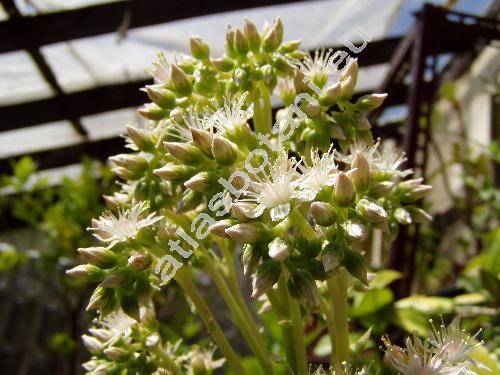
{"x": 420, "y": 192}
{"x": 383, "y": 188}
{"x": 199, "y": 49}
{"x": 116, "y": 200}
{"x": 240, "y": 43}
{"x": 173, "y": 172}
{"x": 253, "y": 232}
{"x": 283, "y": 66}
{"x": 370, "y": 102}
{"x": 223, "y": 64}
{"x": 360, "y": 171}
{"x": 343, "y": 190}
{"x": 273, "y": 37}
{"x": 266, "y": 276}
{"x": 87, "y": 272}
{"x": 243, "y": 211}
{"x": 331, "y": 94}
{"x": 202, "y": 139}
{"x": 356, "y": 265}
{"x": 303, "y": 287}
{"x": 410, "y": 184}
{"x": 361, "y": 122}
{"x": 402, "y": 216}
{"x": 224, "y": 151}
{"x": 139, "y": 262}
{"x": 356, "y": 232}
{"x": 371, "y": 211}
{"x": 336, "y": 132}
{"x": 290, "y": 46}
{"x": 141, "y": 138}
{"x": 181, "y": 82}
{"x": 279, "y": 250}
{"x": 252, "y": 35}
{"x": 152, "y": 111}
{"x": 160, "y": 96}
{"x": 219, "y": 228}
{"x": 350, "y": 71}
{"x": 124, "y": 173}
{"x": 116, "y": 278}
{"x": 115, "y": 353}
{"x": 323, "y": 213}
{"x": 332, "y": 256}
{"x": 184, "y": 152}
{"x": 98, "y": 256}
{"x": 101, "y": 334}
{"x": 420, "y": 216}
{"x": 250, "y": 256}
{"x": 347, "y": 88}
{"x": 189, "y": 201}
{"x": 152, "y": 341}
{"x": 132, "y": 162}
{"x": 230, "y": 32}
{"x": 99, "y": 297}
{"x": 201, "y": 182}
{"x": 198, "y": 366}
{"x": 312, "y": 109}
{"x": 130, "y": 306}
{"x": 93, "y": 345}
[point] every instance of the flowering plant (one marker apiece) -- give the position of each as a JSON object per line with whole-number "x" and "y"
{"x": 210, "y": 176}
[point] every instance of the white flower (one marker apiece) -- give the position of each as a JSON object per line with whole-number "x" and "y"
{"x": 321, "y": 172}
{"x": 320, "y": 67}
{"x": 118, "y": 323}
{"x": 454, "y": 343}
{"x": 231, "y": 115}
{"x": 201, "y": 359}
{"x": 385, "y": 159}
{"x": 113, "y": 229}
{"x": 162, "y": 68}
{"x": 275, "y": 190}
{"x": 182, "y": 132}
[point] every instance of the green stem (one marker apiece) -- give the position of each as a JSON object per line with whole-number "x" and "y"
{"x": 302, "y": 224}
{"x": 330, "y": 325}
{"x": 297, "y": 327}
{"x": 166, "y": 361}
{"x": 259, "y": 121}
{"x": 337, "y": 286}
{"x": 267, "y": 110}
{"x": 246, "y": 328}
{"x": 183, "y": 278}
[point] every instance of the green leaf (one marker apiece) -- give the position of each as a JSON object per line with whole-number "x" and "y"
{"x": 427, "y": 305}
{"x": 412, "y": 321}
{"x": 469, "y": 299}
{"x": 384, "y": 278}
{"x": 372, "y": 301}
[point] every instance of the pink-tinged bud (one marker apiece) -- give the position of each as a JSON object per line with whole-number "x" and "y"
{"x": 101, "y": 334}
{"x": 420, "y": 191}
{"x": 173, "y": 172}
{"x": 410, "y": 184}
{"x": 87, "y": 272}
{"x": 356, "y": 232}
{"x": 323, "y": 213}
{"x": 331, "y": 94}
{"x": 303, "y": 287}
{"x": 98, "y": 256}
{"x": 336, "y": 132}
{"x": 124, "y": 173}
{"x": 253, "y": 232}
{"x": 201, "y": 182}
{"x": 115, "y": 353}
{"x": 343, "y": 190}
{"x": 181, "y": 82}
{"x": 243, "y": 211}
{"x": 219, "y": 228}
{"x": 356, "y": 265}
{"x": 360, "y": 171}
{"x": 202, "y": 139}
{"x": 371, "y": 211}
{"x": 139, "y": 262}
{"x": 224, "y": 151}
{"x": 332, "y": 256}
{"x": 347, "y": 87}
{"x": 266, "y": 276}
{"x": 402, "y": 216}
{"x": 250, "y": 256}
{"x": 199, "y": 49}
{"x": 93, "y": 345}
{"x": 141, "y": 138}
{"x": 273, "y": 37}
{"x": 161, "y": 97}
{"x": 152, "y": 111}
{"x": 184, "y": 152}
{"x": 99, "y": 298}
{"x": 252, "y": 35}
{"x": 350, "y": 71}
{"x": 279, "y": 250}
{"x": 132, "y": 162}
{"x": 370, "y": 102}
{"x": 383, "y": 188}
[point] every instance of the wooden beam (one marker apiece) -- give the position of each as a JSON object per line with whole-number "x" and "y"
{"x": 34, "y": 32}
{"x": 122, "y": 95}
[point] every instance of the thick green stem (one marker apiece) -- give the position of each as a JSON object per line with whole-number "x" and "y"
{"x": 302, "y": 224}
{"x": 327, "y": 310}
{"x": 337, "y": 285}
{"x": 247, "y": 328}
{"x": 183, "y": 278}
{"x": 166, "y": 361}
